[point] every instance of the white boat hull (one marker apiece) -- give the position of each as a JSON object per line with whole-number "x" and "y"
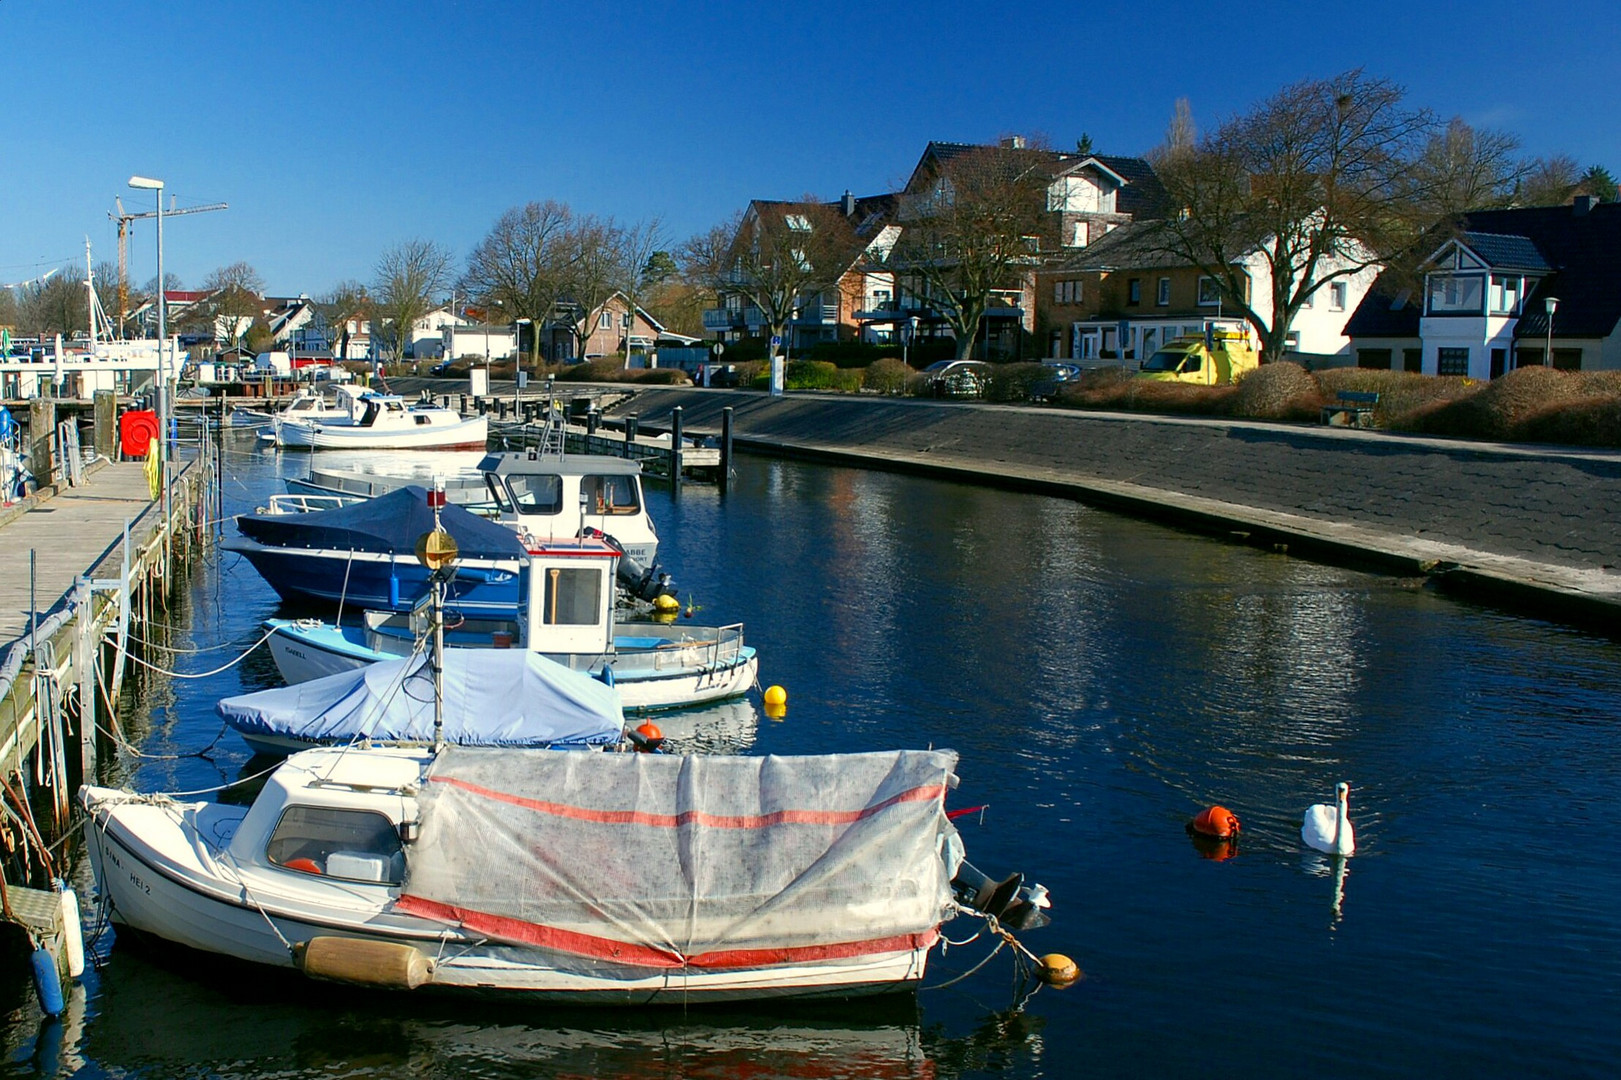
{"x": 666, "y": 679}
{"x": 164, "y": 881}
{"x": 469, "y": 434}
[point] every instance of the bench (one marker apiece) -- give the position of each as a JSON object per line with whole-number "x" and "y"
{"x": 1352, "y": 408}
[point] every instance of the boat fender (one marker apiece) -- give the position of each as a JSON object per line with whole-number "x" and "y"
{"x": 47, "y": 983}
{"x": 72, "y": 931}
{"x": 606, "y": 675}
{"x": 1058, "y": 970}
{"x": 387, "y": 964}
{"x": 308, "y": 866}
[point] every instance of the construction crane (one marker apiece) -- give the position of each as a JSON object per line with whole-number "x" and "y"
{"x": 123, "y": 220}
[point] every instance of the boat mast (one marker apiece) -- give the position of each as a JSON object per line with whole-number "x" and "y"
{"x": 437, "y": 551}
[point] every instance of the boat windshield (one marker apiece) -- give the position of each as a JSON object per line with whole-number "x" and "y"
{"x": 536, "y": 493}
{"x": 357, "y": 845}
{"x": 610, "y": 494}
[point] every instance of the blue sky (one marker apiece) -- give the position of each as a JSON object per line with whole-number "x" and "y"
{"x": 337, "y": 129}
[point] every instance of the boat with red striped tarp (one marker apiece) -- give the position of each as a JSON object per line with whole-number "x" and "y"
{"x": 589, "y": 876}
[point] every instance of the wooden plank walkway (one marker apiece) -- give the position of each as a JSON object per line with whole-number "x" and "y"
{"x": 72, "y": 534}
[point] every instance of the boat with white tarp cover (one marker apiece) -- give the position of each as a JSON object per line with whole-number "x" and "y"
{"x": 589, "y": 877}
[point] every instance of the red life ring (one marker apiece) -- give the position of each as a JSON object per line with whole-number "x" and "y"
{"x": 136, "y": 430}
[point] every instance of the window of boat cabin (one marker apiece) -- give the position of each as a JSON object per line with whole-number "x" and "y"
{"x": 610, "y": 494}
{"x": 536, "y": 493}
{"x": 357, "y": 845}
{"x": 573, "y": 596}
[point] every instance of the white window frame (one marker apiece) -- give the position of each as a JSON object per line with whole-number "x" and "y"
{"x": 1162, "y": 295}
{"x": 1338, "y": 293}
{"x": 1211, "y": 296}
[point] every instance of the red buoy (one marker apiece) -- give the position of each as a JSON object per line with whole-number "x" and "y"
{"x": 1217, "y": 821}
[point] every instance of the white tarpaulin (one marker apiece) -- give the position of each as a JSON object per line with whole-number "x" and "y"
{"x": 663, "y": 861}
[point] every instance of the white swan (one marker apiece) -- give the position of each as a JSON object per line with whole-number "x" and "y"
{"x": 1328, "y": 828}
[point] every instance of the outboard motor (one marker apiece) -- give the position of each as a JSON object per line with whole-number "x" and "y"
{"x": 1010, "y": 901}
{"x": 647, "y": 584}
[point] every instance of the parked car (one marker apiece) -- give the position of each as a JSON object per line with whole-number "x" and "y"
{"x": 957, "y": 378}
{"x": 1054, "y": 374}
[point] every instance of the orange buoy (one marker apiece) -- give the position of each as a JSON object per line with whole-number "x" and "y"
{"x": 651, "y": 737}
{"x": 1217, "y": 821}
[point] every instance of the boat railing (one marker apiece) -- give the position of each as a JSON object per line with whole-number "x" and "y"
{"x": 304, "y": 504}
{"x": 723, "y": 649}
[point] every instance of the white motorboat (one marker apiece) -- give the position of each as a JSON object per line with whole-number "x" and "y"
{"x": 566, "y": 613}
{"x": 382, "y": 422}
{"x": 587, "y": 877}
{"x": 546, "y": 497}
{"x": 306, "y": 405}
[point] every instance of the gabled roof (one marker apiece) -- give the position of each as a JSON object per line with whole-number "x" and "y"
{"x": 1580, "y": 251}
{"x": 1137, "y": 245}
{"x": 1141, "y": 194}
{"x": 1506, "y": 252}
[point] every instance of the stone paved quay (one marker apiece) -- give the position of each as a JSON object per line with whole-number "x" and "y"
{"x": 1530, "y": 526}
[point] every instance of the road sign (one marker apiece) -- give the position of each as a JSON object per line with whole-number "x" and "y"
{"x": 775, "y": 340}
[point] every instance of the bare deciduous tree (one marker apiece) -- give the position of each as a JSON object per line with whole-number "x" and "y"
{"x": 972, "y": 228}
{"x": 346, "y": 302}
{"x": 238, "y": 299}
{"x": 523, "y": 262}
{"x": 1549, "y": 181}
{"x": 1463, "y": 168}
{"x": 1321, "y": 181}
{"x": 56, "y": 305}
{"x": 407, "y": 278}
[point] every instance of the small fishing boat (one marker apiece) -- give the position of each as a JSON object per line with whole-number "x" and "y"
{"x": 591, "y": 878}
{"x": 566, "y": 614}
{"x": 382, "y": 422}
{"x": 544, "y": 496}
{"x": 364, "y": 555}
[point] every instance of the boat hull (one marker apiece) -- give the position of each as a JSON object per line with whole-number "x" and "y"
{"x": 470, "y": 434}
{"x": 375, "y": 580}
{"x": 169, "y": 891}
{"x": 647, "y": 680}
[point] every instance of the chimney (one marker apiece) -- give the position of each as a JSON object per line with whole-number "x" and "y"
{"x": 1582, "y": 205}
{"x": 849, "y": 203}
{"x": 1013, "y": 142}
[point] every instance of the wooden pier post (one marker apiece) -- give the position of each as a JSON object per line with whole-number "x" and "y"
{"x": 630, "y": 433}
{"x": 675, "y": 449}
{"x": 105, "y": 410}
{"x": 41, "y": 426}
{"x": 725, "y": 477}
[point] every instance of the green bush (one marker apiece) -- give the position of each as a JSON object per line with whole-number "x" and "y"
{"x": 851, "y": 354}
{"x": 1013, "y": 382}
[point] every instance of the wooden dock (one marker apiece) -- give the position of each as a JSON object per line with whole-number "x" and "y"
{"x": 84, "y": 569}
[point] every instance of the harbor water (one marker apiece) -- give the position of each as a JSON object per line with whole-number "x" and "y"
{"x": 1103, "y": 679}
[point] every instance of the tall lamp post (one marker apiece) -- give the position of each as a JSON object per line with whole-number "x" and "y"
{"x": 148, "y": 184}
{"x": 1550, "y": 305}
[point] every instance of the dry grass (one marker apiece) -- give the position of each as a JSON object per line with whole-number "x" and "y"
{"x": 1527, "y": 405}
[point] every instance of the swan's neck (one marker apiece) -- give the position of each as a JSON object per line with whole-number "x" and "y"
{"x": 1339, "y": 818}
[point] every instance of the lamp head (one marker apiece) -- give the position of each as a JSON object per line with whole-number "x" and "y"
{"x": 1550, "y": 305}
{"x": 146, "y": 182}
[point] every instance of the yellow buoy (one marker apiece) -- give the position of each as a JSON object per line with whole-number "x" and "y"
{"x": 776, "y": 697}
{"x": 1058, "y": 970}
{"x": 664, "y": 602}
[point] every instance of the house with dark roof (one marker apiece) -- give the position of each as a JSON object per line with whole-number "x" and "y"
{"x": 1499, "y": 291}
{"x": 1124, "y": 295}
{"x": 1086, "y": 196}
{"x": 828, "y": 314}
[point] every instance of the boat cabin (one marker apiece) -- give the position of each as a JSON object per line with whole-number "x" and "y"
{"x": 553, "y": 497}
{"x": 335, "y": 815}
{"x": 566, "y": 599}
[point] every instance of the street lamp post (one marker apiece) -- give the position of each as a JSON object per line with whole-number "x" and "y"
{"x": 1550, "y": 305}
{"x": 147, "y": 184}
{"x": 911, "y": 336}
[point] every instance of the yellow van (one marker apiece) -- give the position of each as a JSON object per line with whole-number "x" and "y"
{"x": 1213, "y": 358}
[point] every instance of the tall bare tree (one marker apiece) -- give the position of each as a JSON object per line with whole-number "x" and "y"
{"x": 407, "y": 278}
{"x": 343, "y": 303}
{"x": 595, "y": 272}
{"x": 637, "y": 244}
{"x": 1549, "y": 181}
{"x": 522, "y": 265}
{"x": 237, "y": 299}
{"x": 57, "y": 305}
{"x": 781, "y": 254}
{"x": 1462, "y": 168}
{"x": 1321, "y": 181}
{"x": 971, "y": 228}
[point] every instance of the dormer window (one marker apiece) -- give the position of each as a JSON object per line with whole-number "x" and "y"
{"x": 1457, "y": 294}
{"x": 798, "y": 222}
{"x": 1506, "y": 294}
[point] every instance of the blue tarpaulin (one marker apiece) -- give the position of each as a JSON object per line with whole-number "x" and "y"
{"x": 388, "y": 524}
{"x": 493, "y": 697}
